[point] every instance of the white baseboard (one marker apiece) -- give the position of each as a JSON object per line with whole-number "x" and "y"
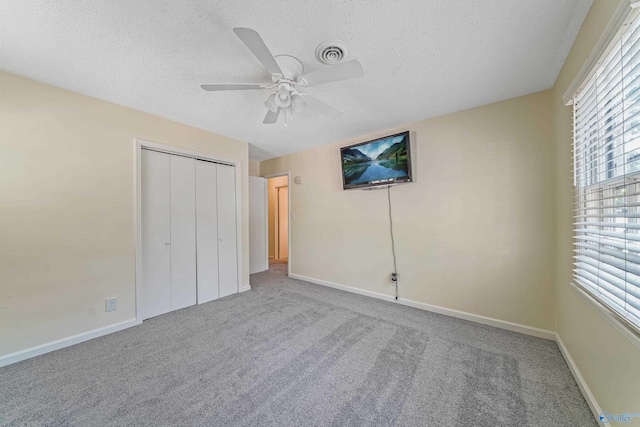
{"x": 342, "y": 287}
{"x": 584, "y": 388}
{"x": 477, "y": 318}
{"x": 65, "y": 342}
{"x": 75, "y": 339}
{"x": 502, "y": 324}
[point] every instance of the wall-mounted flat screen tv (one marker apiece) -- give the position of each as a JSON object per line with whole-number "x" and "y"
{"x": 380, "y": 162}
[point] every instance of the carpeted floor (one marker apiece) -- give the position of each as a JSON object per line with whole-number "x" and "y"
{"x": 290, "y": 353}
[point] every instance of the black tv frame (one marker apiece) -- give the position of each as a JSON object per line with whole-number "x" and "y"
{"x": 369, "y": 185}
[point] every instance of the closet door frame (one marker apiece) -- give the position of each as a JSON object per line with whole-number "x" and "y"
{"x": 168, "y": 149}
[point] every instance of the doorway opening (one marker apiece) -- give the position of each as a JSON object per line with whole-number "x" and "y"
{"x": 278, "y": 222}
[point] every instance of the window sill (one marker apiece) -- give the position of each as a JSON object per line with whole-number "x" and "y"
{"x": 612, "y": 318}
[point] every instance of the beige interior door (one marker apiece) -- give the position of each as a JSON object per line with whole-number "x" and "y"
{"x": 283, "y": 223}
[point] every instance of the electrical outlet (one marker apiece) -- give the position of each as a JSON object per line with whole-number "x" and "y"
{"x": 111, "y": 304}
{"x": 394, "y": 279}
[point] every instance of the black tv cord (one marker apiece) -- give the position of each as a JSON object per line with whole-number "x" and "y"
{"x": 393, "y": 243}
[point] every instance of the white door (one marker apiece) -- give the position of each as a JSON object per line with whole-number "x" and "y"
{"x": 258, "y": 258}
{"x": 207, "y": 231}
{"x": 156, "y": 234}
{"x": 283, "y": 222}
{"x": 227, "y": 247}
{"x": 183, "y": 232}
{"x": 189, "y": 246}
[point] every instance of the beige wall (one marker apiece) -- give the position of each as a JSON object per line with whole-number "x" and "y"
{"x": 474, "y": 233}
{"x": 67, "y": 228}
{"x": 254, "y": 168}
{"x": 608, "y": 361}
{"x": 272, "y": 194}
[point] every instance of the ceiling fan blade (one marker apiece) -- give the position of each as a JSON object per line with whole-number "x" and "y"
{"x": 344, "y": 71}
{"x": 271, "y": 117}
{"x": 256, "y": 45}
{"x": 233, "y": 86}
{"x": 322, "y": 107}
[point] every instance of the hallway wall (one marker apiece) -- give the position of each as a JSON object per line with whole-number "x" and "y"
{"x": 272, "y": 185}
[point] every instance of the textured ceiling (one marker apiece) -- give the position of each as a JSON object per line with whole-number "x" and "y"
{"x": 422, "y": 58}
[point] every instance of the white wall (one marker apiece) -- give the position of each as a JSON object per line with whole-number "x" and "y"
{"x": 475, "y": 232}
{"x": 257, "y": 225}
{"x": 608, "y": 361}
{"x": 67, "y": 214}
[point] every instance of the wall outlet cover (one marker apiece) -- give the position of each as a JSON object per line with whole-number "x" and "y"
{"x": 111, "y": 304}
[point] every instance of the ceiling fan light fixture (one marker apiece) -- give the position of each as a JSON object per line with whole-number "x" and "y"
{"x": 287, "y": 74}
{"x": 283, "y": 97}
{"x": 271, "y": 104}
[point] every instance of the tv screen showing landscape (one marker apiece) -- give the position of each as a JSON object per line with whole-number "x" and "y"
{"x": 375, "y": 163}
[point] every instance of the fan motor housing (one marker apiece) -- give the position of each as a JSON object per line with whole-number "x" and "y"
{"x": 291, "y": 67}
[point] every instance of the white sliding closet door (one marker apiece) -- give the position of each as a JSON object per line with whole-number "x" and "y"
{"x": 189, "y": 247}
{"x": 207, "y": 231}
{"x": 156, "y": 234}
{"x": 227, "y": 247}
{"x": 183, "y": 232}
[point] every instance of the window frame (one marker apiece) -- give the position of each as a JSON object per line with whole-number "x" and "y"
{"x": 604, "y": 164}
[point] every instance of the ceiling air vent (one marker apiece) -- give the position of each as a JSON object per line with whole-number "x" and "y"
{"x": 332, "y": 51}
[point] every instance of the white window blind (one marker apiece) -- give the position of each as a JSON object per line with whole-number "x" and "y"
{"x": 606, "y": 155}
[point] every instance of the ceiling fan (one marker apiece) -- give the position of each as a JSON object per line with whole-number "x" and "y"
{"x": 287, "y": 80}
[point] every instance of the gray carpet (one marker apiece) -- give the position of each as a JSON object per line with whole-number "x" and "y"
{"x": 290, "y": 353}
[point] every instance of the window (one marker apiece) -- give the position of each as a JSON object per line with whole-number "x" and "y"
{"x": 607, "y": 177}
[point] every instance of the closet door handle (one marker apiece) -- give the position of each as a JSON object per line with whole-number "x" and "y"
{"x": 168, "y": 244}
{"x": 220, "y": 239}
